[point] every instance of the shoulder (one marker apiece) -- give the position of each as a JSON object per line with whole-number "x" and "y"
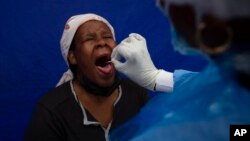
{"x": 56, "y": 96}
{"x": 131, "y": 89}
{"x": 130, "y": 85}
{"x": 133, "y": 98}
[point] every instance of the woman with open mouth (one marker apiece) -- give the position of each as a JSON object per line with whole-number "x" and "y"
{"x": 90, "y": 99}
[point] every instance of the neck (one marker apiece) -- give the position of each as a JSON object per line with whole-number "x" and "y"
{"x": 82, "y": 93}
{"x": 100, "y": 107}
{"x": 93, "y": 88}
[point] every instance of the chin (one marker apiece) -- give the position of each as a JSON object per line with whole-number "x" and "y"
{"x": 106, "y": 82}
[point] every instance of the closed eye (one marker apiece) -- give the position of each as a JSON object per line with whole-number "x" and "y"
{"x": 88, "y": 39}
{"x": 108, "y": 36}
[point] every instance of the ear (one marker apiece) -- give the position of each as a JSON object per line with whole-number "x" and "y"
{"x": 72, "y": 58}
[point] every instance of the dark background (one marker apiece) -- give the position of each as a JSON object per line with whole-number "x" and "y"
{"x": 30, "y": 57}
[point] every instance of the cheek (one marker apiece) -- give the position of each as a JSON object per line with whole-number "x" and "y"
{"x": 112, "y": 44}
{"x": 85, "y": 49}
{"x": 83, "y": 54}
{"x": 85, "y": 64}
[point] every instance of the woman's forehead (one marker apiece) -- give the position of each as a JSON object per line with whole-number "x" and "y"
{"x": 93, "y": 26}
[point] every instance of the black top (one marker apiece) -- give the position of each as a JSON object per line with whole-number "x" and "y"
{"x": 59, "y": 117}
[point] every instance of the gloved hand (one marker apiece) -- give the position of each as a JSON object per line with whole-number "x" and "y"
{"x": 138, "y": 65}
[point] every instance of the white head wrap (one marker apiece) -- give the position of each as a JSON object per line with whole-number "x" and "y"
{"x": 70, "y": 29}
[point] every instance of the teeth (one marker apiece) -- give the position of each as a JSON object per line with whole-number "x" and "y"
{"x": 108, "y": 62}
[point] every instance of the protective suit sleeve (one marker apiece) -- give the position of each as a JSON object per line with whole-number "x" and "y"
{"x": 168, "y": 82}
{"x": 182, "y": 77}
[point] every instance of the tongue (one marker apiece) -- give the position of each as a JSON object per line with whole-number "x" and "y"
{"x": 107, "y": 69}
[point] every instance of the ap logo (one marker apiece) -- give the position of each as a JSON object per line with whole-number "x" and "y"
{"x": 239, "y": 132}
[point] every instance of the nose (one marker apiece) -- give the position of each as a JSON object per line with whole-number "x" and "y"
{"x": 100, "y": 42}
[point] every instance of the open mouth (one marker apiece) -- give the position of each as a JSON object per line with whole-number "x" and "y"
{"x": 104, "y": 65}
{"x": 102, "y": 61}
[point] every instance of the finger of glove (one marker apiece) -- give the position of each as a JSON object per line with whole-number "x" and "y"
{"x": 120, "y": 66}
{"x": 115, "y": 59}
{"x": 137, "y": 42}
{"x": 115, "y": 54}
{"x": 121, "y": 51}
{"x": 131, "y": 39}
{"x": 126, "y": 40}
{"x": 136, "y": 36}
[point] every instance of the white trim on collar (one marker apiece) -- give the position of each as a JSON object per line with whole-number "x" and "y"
{"x": 85, "y": 120}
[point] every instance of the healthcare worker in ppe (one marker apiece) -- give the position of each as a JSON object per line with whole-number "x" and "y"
{"x": 203, "y": 106}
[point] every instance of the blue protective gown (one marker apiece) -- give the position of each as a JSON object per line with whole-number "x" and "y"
{"x": 201, "y": 108}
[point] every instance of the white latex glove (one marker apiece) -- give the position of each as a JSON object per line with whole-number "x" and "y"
{"x": 138, "y": 65}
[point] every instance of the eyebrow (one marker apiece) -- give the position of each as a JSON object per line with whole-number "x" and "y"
{"x": 93, "y": 34}
{"x": 88, "y": 34}
{"x": 83, "y": 36}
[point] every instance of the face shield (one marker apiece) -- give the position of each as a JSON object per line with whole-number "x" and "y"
{"x": 186, "y": 17}
{"x": 190, "y": 22}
